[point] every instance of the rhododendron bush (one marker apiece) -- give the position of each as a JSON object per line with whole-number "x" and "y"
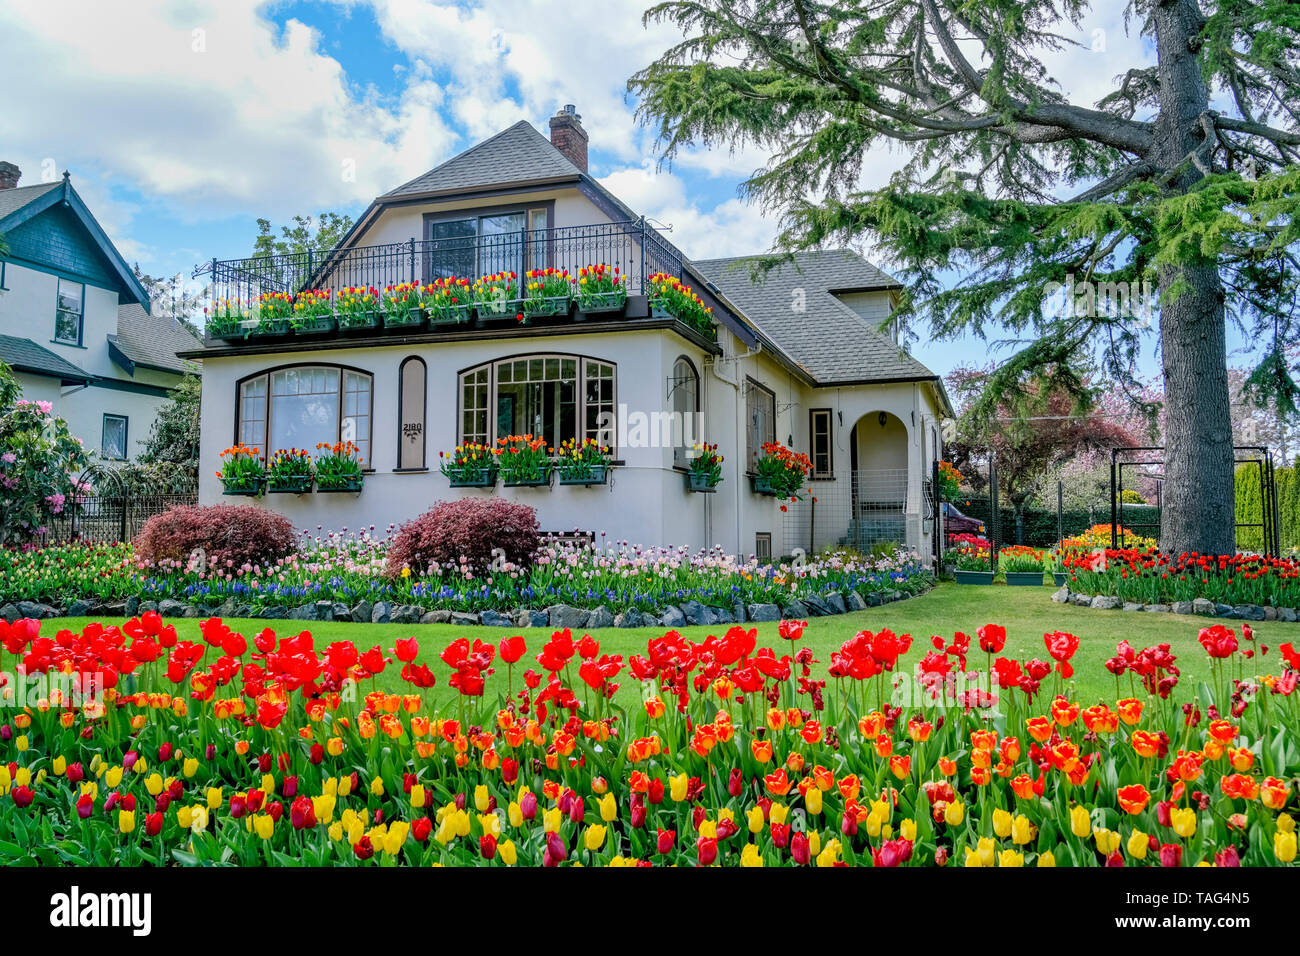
{"x": 732, "y": 750}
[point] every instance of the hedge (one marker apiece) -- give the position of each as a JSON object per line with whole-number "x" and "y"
{"x": 1250, "y": 506}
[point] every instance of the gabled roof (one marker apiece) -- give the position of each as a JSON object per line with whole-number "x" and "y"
{"x": 151, "y": 342}
{"x": 24, "y": 203}
{"x": 519, "y": 154}
{"x": 24, "y": 355}
{"x": 829, "y": 340}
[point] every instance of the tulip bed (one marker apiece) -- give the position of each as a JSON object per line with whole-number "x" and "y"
{"x": 271, "y": 750}
{"x": 350, "y": 568}
{"x": 1145, "y": 576}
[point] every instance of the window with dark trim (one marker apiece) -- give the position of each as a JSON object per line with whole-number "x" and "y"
{"x": 412, "y": 394}
{"x": 763, "y": 546}
{"x": 70, "y": 304}
{"x": 482, "y": 241}
{"x": 684, "y": 388}
{"x": 820, "y": 445}
{"x": 760, "y": 406}
{"x": 552, "y": 396}
{"x": 113, "y": 437}
{"x": 301, "y": 406}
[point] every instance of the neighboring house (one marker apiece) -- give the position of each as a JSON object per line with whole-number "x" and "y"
{"x": 74, "y": 320}
{"x": 795, "y": 358}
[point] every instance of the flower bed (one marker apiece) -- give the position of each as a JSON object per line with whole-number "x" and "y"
{"x": 642, "y": 585}
{"x": 273, "y": 751}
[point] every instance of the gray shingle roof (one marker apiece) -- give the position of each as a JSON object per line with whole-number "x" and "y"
{"x": 829, "y": 340}
{"x": 11, "y": 200}
{"x": 514, "y": 155}
{"x": 24, "y": 355}
{"x": 153, "y": 341}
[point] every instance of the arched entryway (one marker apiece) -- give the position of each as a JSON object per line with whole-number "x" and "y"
{"x": 878, "y": 452}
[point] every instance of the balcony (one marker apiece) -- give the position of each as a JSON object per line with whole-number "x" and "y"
{"x": 632, "y": 246}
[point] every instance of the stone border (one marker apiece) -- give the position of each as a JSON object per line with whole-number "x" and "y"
{"x": 1202, "y": 607}
{"x": 555, "y": 616}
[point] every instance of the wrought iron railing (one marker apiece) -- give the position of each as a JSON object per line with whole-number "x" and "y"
{"x": 110, "y": 518}
{"x": 632, "y": 246}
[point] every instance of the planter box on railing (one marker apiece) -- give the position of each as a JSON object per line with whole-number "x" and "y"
{"x": 317, "y": 325}
{"x": 360, "y": 321}
{"x": 405, "y": 320}
{"x": 477, "y": 478}
{"x": 596, "y": 303}
{"x": 530, "y": 480}
{"x": 499, "y": 312}
{"x": 450, "y": 316}
{"x": 269, "y": 328}
{"x": 763, "y": 486}
{"x": 246, "y": 489}
{"x": 700, "y": 484}
{"x": 550, "y": 305}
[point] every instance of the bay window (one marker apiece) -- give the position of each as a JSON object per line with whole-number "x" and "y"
{"x": 303, "y": 406}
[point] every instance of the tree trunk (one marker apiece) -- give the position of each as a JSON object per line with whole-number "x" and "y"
{"x": 1199, "y": 501}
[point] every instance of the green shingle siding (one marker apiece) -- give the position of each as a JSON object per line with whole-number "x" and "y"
{"x": 56, "y": 241}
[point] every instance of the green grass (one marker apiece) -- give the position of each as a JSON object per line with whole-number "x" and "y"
{"x": 1026, "y": 613}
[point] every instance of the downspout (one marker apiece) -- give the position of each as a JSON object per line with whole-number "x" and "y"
{"x": 734, "y": 382}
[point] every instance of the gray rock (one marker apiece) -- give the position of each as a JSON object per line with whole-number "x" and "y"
{"x": 723, "y": 615}
{"x": 1181, "y": 607}
{"x": 244, "y": 610}
{"x": 227, "y": 608}
{"x": 1287, "y": 614}
{"x": 361, "y": 613}
{"x": 738, "y": 612}
{"x": 192, "y": 611}
{"x": 463, "y": 617}
{"x": 9, "y": 612}
{"x": 146, "y": 606}
{"x": 495, "y": 619}
{"x": 539, "y": 619}
{"x": 1106, "y": 602}
{"x": 672, "y": 617}
{"x": 629, "y": 618}
{"x": 304, "y": 612}
{"x": 275, "y": 613}
{"x": 1250, "y": 612}
{"x": 1225, "y": 610}
{"x": 835, "y": 602}
{"x": 1270, "y": 613}
{"x": 1062, "y": 596}
{"x": 855, "y": 602}
{"x": 168, "y": 607}
{"x": 694, "y": 612}
{"x": 875, "y": 598}
{"x": 764, "y": 612}
{"x": 112, "y": 609}
{"x": 1203, "y": 606}
{"x": 1080, "y": 600}
{"x": 324, "y": 610}
{"x": 817, "y": 606}
{"x": 381, "y": 613}
{"x": 33, "y": 609}
{"x": 80, "y": 608}
{"x": 796, "y": 610}
{"x": 1157, "y": 608}
{"x": 405, "y": 614}
{"x": 566, "y": 615}
{"x": 439, "y": 616}
{"x": 1131, "y": 606}
{"x": 341, "y": 611}
{"x": 132, "y": 605}
{"x": 599, "y": 617}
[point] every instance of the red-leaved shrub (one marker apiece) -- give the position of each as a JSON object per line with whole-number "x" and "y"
{"x": 238, "y": 534}
{"x": 468, "y": 528}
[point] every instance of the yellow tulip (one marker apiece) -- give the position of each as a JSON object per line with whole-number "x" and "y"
{"x": 154, "y": 784}
{"x": 907, "y": 830}
{"x": 215, "y": 798}
{"x": 507, "y": 852}
{"x": 1285, "y": 823}
{"x": 1047, "y": 858}
{"x": 594, "y": 838}
{"x": 608, "y": 808}
{"x": 1022, "y": 831}
{"x": 1080, "y": 822}
{"x": 1107, "y": 841}
{"x": 1011, "y": 858}
{"x": 1002, "y": 824}
{"x": 750, "y": 857}
{"x": 812, "y": 800}
{"x": 377, "y": 786}
{"x": 60, "y": 766}
{"x": 113, "y": 777}
{"x": 1184, "y": 821}
{"x": 264, "y": 825}
{"x": 126, "y": 823}
{"x": 953, "y": 813}
{"x": 755, "y": 818}
{"x": 190, "y": 767}
{"x": 1284, "y": 845}
{"x": 1138, "y": 844}
{"x": 677, "y": 787}
{"x": 417, "y": 796}
{"x": 482, "y": 799}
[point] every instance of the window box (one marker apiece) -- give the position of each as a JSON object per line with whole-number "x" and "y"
{"x": 1025, "y": 579}
{"x": 475, "y": 478}
{"x": 316, "y": 325}
{"x": 269, "y": 328}
{"x": 547, "y": 305}
{"x": 532, "y": 479}
{"x": 342, "y": 485}
{"x": 596, "y": 475}
{"x": 658, "y": 310}
{"x": 449, "y": 315}
{"x": 249, "y": 488}
{"x": 761, "y": 485}
{"x": 973, "y": 577}
{"x": 701, "y": 484}
{"x": 594, "y": 303}
{"x": 408, "y": 319}
{"x": 300, "y": 485}
{"x": 505, "y": 310}
{"x": 360, "y": 321}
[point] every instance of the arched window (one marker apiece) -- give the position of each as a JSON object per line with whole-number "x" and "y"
{"x": 684, "y": 390}
{"x": 552, "y": 396}
{"x": 412, "y": 391}
{"x": 303, "y": 405}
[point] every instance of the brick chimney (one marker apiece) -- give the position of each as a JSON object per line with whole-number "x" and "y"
{"x": 568, "y": 136}
{"x": 10, "y": 174}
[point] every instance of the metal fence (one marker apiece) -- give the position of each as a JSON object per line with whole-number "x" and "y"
{"x": 869, "y": 511}
{"x": 107, "y": 519}
{"x": 632, "y": 246}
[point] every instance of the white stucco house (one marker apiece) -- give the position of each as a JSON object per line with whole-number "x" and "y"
{"x": 75, "y": 326}
{"x": 795, "y": 357}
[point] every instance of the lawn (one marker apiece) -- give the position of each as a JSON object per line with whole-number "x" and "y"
{"x": 1026, "y": 613}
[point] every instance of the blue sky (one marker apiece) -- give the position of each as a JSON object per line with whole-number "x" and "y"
{"x": 183, "y": 121}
